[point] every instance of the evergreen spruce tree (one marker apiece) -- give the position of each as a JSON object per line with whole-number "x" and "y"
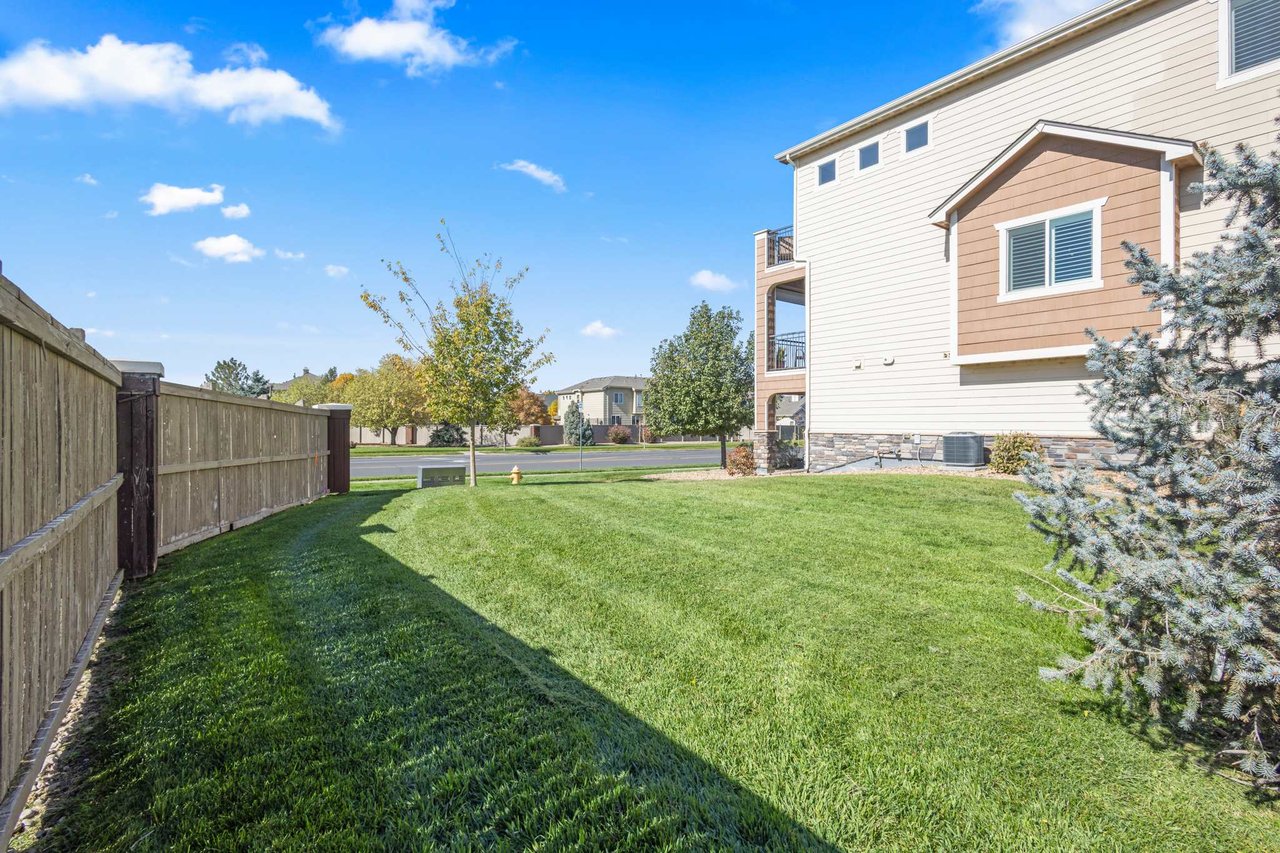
{"x": 1170, "y": 558}
{"x": 576, "y": 430}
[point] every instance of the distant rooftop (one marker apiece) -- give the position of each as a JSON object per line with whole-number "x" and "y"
{"x": 600, "y": 383}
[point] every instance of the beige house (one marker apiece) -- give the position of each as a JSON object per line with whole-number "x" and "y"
{"x": 950, "y": 247}
{"x": 607, "y": 400}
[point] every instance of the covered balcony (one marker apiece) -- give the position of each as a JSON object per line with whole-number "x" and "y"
{"x": 784, "y": 308}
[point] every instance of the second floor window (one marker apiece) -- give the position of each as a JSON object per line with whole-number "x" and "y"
{"x": 916, "y": 137}
{"x": 1254, "y": 34}
{"x": 826, "y": 172}
{"x": 639, "y": 400}
{"x": 617, "y": 398}
{"x": 869, "y": 155}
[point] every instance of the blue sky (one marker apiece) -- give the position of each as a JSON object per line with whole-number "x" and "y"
{"x": 192, "y": 181}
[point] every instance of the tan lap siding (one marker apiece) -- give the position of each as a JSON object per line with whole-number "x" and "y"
{"x": 1055, "y": 173}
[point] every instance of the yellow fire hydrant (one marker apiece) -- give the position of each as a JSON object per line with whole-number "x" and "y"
{"x": 516, "y": 476}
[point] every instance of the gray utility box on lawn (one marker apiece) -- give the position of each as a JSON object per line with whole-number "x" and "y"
{"x": 441, "y": 475}
{"x": 963, "y": 449}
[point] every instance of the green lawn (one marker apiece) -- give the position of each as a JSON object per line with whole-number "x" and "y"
{"x": 600, "y": 662}
{"x": 399, "y": 450}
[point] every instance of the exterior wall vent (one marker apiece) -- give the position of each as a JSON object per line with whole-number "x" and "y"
{"x": 963, "y": 449}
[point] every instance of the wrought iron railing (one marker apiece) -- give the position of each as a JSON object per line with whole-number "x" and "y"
{"x": 787, "y": 352}
{"x": 781, "y": 246}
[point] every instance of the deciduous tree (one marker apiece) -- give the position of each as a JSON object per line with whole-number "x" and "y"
{"x": 387, "y": 397}
{"x": 702, "y": 379}
{"x": 475, "y": 354}
{"x": 529, "y": 408}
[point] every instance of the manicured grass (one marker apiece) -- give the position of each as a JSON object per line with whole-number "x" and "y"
{"x": 599, "y": 662}
{"x": 570, "y": 467}
{"x": 400, "y": 450}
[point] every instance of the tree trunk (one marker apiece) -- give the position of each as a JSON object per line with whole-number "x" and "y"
{"x": 393, "y": 431}
{"x": 724, "y": 451}
{"x": 472, "y": 454}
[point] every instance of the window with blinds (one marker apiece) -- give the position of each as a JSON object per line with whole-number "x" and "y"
{"x": 1255, "y": 33}
{"x": 1026, "y": 257}
{"x": 1053, "y": 251}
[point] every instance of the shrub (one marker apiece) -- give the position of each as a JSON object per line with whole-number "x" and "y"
{"x": 646, "y": 435}
{"x": 447, "y": 435}
{"x": 528, "y": 441}
{"x": 741, "y": 462}
{"x": 1007, "y": 450}
{"x": 619, "y": 435}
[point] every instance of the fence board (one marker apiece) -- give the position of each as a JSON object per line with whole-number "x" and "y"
{"x": 58, "y": 486}
{"x": 227, "y": 461}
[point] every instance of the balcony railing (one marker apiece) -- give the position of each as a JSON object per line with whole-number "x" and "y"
{"x": 787, "y": 352}
{"x": 781, "y": 246}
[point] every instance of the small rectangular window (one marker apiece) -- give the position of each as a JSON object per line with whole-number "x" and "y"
{"x": 1026, "y": 257}
{"x": 617, "y": 398}
{"x": 869, "y": 155}
{"x": 916, "y": 137}
{"x": 1255, "y": 33}
{"x": 826, "y": 172}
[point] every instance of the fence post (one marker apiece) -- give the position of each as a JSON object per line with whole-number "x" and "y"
{"x": 339, "y": 447}
{"x": 137, "y": 422}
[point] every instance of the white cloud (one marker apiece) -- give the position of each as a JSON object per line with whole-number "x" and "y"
{"x": 713, "y": 281}
{"x": 111, "y": 214}
{"x": 1022, "y": 19}
{"x": 410, "y": 35}
{"x": 597, "y": 329}
{"x": 608, "y": 239}
{"x": 232, "y": 248}
{"x": 538, "y": 173}
{"x": 335, "y": 270}
{"x": 289, "y": 256}
{"x": 245, "y": 53}
{"x": 236, "y": 211}
{"x": 87, "y": 179}
{"x": 119, "y": 73}
{"x": 91, "y": 294}
{"x": 101, "y": 333}
{"x": 180, "y": 261}
{"x": 166, "y": 198}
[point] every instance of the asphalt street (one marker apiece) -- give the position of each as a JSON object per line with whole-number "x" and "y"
{"x": 387, "y": 466}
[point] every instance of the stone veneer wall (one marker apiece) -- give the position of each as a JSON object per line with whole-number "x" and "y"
{"x": 828, "y": 450}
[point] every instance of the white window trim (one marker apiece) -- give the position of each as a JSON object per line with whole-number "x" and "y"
{"x": 619, "y": 398}
{"x": 857, "y": 154}
{"x": 817, "y": 183}
{"x": 1093, "y": 282}
{"x": 1225, "y": 77}
{"x": 902, "y": 131}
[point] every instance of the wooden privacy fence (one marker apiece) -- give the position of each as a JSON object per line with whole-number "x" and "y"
{"x": 228, "y": 461}
{"x": 103, "y": 467}
{"x": 58, "y": 484}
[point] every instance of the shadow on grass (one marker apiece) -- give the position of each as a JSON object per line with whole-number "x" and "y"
{"x": 1195, "y": 749}
{"x": 293, "y": 685}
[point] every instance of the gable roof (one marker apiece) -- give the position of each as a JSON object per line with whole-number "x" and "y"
{"x": 1173, "y": 150}
{"x": 600, "y": 383}
{"x": 998, "y": 61}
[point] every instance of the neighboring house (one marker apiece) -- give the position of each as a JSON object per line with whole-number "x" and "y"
{"x": 950, "y": 247}
{"x": 306, "y": 374}
{"x": 608, "y": 400}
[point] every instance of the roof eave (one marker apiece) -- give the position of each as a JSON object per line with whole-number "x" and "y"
{"x": 1065, "y": 31}
{"x": 1176, "y": 151}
